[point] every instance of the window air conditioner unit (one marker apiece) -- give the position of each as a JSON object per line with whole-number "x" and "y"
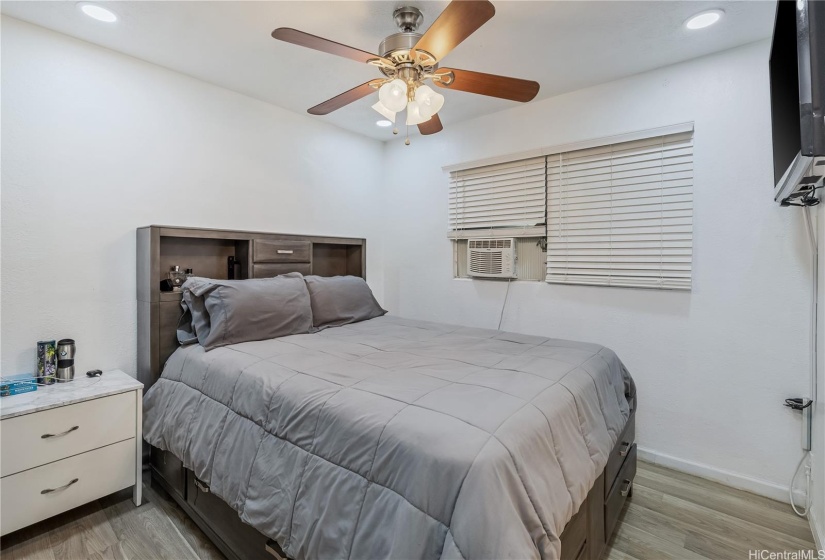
{"x": 491, "y": 258}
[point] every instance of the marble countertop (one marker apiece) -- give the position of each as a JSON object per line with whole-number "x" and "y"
{"x": 82, "y": 388}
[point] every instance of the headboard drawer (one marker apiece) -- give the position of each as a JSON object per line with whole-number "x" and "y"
{"x": 269, "y": 270}
{"x": 264, "y": 251}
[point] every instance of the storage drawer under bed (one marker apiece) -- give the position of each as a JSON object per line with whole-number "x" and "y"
{"x": 171, "y": 470}
{"x": 244, "y": 540}
{"x": 620, "y": 492}
{"x": 619, "y": 454}
{"x": 574, "y": 538}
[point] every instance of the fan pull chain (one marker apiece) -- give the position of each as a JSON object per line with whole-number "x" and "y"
{"x": 407, "y": 141}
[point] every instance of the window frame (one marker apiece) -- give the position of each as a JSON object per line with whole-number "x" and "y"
{"x": 664, "y": 131}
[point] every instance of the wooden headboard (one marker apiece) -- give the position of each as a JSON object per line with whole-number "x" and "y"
{"x": 207, "y": 252}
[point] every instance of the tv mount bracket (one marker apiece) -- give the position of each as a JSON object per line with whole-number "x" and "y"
{"x": 808, "y": 185}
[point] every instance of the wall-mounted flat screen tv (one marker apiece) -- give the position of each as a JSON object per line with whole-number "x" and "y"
{"x": 797, "y": 78}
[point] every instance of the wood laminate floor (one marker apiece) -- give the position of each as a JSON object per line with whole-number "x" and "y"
{"x": 670, "y": 516}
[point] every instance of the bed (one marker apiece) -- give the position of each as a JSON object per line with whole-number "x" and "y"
{"x": 393, "y": 438}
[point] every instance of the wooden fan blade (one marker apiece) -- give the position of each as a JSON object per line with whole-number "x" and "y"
{"x": 489, "y": 84}
{"x": 325, "y": 45}
{"x": 339, "y": 101}
{"x": 457, "y": 22}
{"x": 431, "y": 126}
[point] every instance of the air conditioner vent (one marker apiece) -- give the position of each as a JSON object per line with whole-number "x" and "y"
{"x": 491, "y": 258}
{"x": 491, "y": 243}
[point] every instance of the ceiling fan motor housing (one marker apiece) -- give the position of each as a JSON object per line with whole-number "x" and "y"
{"x": 408, "y": 19}
{"x": 397, "y": 47}
{"x": 399, "y": 42}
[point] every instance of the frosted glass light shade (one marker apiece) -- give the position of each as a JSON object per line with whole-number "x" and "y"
{"x": 414, "y": 115}
{"x": 389, "y": 115}
{"x": 393, "y": 95}
{"x": 429, "y": 101}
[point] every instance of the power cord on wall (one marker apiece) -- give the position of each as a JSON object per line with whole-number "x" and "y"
{"x": 814, "y": 327}
{"x": 804, "y": 512}
{"x": 504, "y": 305}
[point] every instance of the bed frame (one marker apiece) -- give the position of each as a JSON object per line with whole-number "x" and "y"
{"x": 214, "y": 253}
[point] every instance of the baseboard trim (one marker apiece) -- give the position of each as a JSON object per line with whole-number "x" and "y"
{"x": 819, "y": 538}
{"x": 728, "y": 478}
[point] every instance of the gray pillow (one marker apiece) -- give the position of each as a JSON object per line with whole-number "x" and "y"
{"x": 232, "y": 311}
{"x": 340, "y": 300}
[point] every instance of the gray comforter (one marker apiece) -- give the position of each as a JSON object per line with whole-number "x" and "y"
{"x": 395, "y": 438}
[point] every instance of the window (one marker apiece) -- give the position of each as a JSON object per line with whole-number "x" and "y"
{"x": 615, "y": 212}
{"x": 501, "y": 200}
{"x": 622, "y": 214}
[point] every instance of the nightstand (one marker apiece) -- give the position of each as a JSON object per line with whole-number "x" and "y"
{"x": 68, "y": 444}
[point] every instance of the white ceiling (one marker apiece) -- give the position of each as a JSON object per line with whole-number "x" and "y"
{"x": 563, "y": 45}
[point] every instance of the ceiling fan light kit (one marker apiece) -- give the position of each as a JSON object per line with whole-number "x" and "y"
{"x": 429, "y": 101}
{"x": 393, "y": 95}
{"x": 408, "y": 59}
{"x": 414, "y": 116}
{"x": 386, "y": 113}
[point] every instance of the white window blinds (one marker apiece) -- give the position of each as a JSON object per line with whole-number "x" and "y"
{"x": 506, "y": 199}
{"x": 622, "y": 214}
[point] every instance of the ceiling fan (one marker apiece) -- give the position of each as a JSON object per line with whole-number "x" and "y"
{"x": 408, "y": 59}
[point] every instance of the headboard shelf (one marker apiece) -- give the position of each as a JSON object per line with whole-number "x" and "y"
{"x": 206, "y": 251}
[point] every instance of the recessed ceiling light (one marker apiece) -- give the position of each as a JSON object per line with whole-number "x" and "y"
{"x": 98, "y": 12}
{"x": 384, "y": 123}
{"x": 704, "y": 19}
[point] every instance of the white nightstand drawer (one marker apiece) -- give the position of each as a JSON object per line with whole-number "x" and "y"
{"x": 42, "y": 437}
{"x": 97, "y": 473}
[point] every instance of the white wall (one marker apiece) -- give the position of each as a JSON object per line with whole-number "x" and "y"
{"x": 712, "y": 366}
{"x": 96, "y": 144}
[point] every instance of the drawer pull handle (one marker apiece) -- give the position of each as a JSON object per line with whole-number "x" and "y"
{"x": 201, "y": 486}
{"x": 626, "y": 489}
{"x": 625, "y": 448}
{"x": 50, "y": 490}
{"x": 285, "y": 251}
{"x": 70, "y": 430}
